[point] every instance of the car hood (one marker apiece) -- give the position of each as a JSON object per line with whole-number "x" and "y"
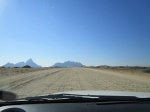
{"x": 109, "y": 93}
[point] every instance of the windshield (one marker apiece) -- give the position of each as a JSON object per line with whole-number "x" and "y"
{"x": 51, "y": 46}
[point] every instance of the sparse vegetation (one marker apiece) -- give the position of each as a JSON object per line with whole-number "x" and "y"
{"x": 147, "y": 70}
{"x": 26, "y": 66}
{"x": 141, "y": 70}
{"x": 16, "y": 67}
{"x": 4, "y": 72}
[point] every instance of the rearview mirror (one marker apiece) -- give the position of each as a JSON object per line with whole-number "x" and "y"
{"x": 7, "y": 96}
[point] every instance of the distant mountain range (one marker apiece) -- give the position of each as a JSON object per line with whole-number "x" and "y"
{"x": 21, "y": 64}
{"x": 34, "y": 65}
{"x": 68, "y": 64}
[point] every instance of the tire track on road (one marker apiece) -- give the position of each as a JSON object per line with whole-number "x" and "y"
{"x": 48, "y": 84}
{"x": 24, "y": 81}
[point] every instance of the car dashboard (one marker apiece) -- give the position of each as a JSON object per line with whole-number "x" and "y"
{"x": 78, "y": 107}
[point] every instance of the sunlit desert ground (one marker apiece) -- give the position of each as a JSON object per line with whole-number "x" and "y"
{"x": 32, "y": 82}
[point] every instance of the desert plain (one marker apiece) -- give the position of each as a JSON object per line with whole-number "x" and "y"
{"x": 39, "y": 81}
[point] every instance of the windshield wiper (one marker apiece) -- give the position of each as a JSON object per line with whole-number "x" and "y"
{"x": 60, "y": 97}
{"x": 88, "y": 97}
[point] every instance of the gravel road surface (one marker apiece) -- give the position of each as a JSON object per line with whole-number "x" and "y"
{"x": 70, "y": 79}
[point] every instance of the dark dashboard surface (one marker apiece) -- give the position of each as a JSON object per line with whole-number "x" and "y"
{"x": 77, "y": 107}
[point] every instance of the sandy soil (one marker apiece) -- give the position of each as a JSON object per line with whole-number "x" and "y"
{"x": 69, "y": 79}
{"x": 7, "y": 72}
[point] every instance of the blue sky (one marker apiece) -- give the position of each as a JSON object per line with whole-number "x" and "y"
{"x": 93, "y": 32}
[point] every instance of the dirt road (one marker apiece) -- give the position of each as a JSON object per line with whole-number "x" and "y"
{"x": 69, "y": 79}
